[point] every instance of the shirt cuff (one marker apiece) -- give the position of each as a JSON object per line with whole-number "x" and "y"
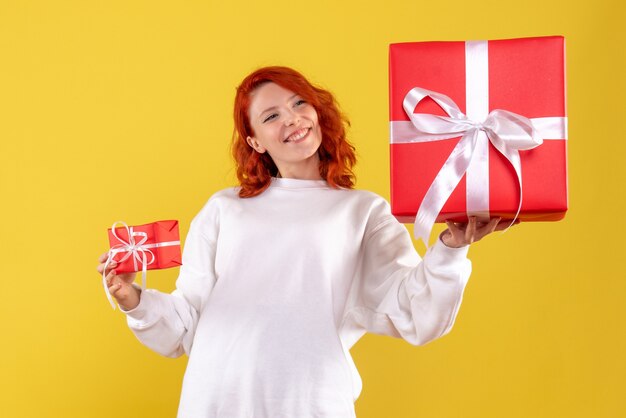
{"x": 441, "y": 253}
{"x": 146, "y": 304}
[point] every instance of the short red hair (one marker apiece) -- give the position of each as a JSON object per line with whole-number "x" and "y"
{"x": 255, "y": 170}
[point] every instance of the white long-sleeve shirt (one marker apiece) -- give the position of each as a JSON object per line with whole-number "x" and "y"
{"x": 275, "y": 289}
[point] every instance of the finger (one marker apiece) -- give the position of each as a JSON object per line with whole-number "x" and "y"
{"x": 487, "y": 228}
{"x": 111, "y": 265}
{"x": 115, "y": 289}
{"x": 455, "y": 231}
{"x": 490, "y": 227}
{"x": 456, "y": 228}
{"x": 451, "y": 226}
{"x": 470, "y": 231}
{"x": 109, "y": 278}
{"x": 506, "y": 224}
{"x": 103, "y": 257}
{"x": 502, "y": 225}
{"x": 481, "y": 225}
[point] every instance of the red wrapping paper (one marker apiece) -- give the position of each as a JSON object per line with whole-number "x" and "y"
{"x": 157, "y": 232}
{"x": 527, "y": 77}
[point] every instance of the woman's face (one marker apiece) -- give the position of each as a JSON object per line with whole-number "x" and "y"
{"x": 286, "y": 127}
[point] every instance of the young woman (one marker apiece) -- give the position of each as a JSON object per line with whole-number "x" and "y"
{"x": 282, "y": 275}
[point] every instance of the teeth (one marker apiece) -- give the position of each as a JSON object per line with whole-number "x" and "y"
{"x": 297, "y": 135}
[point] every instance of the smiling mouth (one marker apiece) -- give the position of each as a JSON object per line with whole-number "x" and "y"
{"x": 298, "y": 135}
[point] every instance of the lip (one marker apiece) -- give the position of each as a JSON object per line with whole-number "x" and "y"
{"x": 308, "y": 130}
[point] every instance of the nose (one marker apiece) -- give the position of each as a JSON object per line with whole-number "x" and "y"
{"x": 292, "y": 118}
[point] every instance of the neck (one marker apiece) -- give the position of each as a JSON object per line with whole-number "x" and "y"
{"x": 303, "y": 170}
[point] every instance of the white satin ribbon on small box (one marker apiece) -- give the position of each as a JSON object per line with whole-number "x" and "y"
{"x": 507, "y": 131}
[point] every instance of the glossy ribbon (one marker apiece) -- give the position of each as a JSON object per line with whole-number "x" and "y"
{"x": 507, "y": 131}
{"x": 135, "y": 249}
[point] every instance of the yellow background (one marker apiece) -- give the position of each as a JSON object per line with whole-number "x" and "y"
{"x": 122, "y": 110}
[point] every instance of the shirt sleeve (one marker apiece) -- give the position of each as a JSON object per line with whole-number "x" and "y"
{"x": 397, "y": 293}
{"x": 166, "y": 322}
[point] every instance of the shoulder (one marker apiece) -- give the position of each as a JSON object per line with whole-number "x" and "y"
{"x": 370, "y": 208}
{"x": 369, "y": 197}
{"x": 369, "y": 201}
{"x": 216, "y": 204}
{"x": 224, "y": 196}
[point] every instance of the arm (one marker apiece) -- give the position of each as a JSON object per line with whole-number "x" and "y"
{"x": 400, "y": 295}
{"x": 165, "y": 322}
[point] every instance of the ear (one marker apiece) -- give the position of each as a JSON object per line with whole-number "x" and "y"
{"x": 255, "y": 144}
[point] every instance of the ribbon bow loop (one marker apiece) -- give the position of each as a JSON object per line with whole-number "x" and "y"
{"x": 513, "y": 130}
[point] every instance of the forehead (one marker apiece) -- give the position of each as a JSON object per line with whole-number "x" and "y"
{"x": 268, "y": 95}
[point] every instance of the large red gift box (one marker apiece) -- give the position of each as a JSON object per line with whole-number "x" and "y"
{"x": 524, "y": 76}
{"x": 158, "y": 240}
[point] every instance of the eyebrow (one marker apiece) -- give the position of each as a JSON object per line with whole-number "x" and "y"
{"x": 275, "y": 107}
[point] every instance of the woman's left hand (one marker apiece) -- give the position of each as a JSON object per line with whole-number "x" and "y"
{"x": 461, "y": 234}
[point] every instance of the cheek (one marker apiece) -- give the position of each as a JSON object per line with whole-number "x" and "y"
{"x": 268, "y": 133}
{"x": 314, "y": 117}
{"x": 318, "y": 126}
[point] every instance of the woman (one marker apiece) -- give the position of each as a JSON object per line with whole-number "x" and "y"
{"x": 282, "y": 275}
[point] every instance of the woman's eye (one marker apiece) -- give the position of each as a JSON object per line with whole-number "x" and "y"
{"x": 270, "y": 117}
{"x": 300, "y": 102}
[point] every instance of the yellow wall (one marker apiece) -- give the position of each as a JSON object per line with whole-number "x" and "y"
{"x": 121, "y": 110}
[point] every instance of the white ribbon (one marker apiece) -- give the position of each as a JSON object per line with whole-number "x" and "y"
{"x": 507, "y": 131}
{"x": 132, "y": 248}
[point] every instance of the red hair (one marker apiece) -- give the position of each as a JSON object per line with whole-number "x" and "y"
{"x": 336, "y": 154}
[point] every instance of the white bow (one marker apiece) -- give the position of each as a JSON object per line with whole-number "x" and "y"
{"x": 507, "y": 131}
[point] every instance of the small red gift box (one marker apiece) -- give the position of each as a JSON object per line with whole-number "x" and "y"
{"x": 158, "y": 241}
{"x": 144, "y": 247}
{"x": 487, "y": 94}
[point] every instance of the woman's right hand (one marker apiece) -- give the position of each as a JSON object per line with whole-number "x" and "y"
{"x": 120, "y": 285}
